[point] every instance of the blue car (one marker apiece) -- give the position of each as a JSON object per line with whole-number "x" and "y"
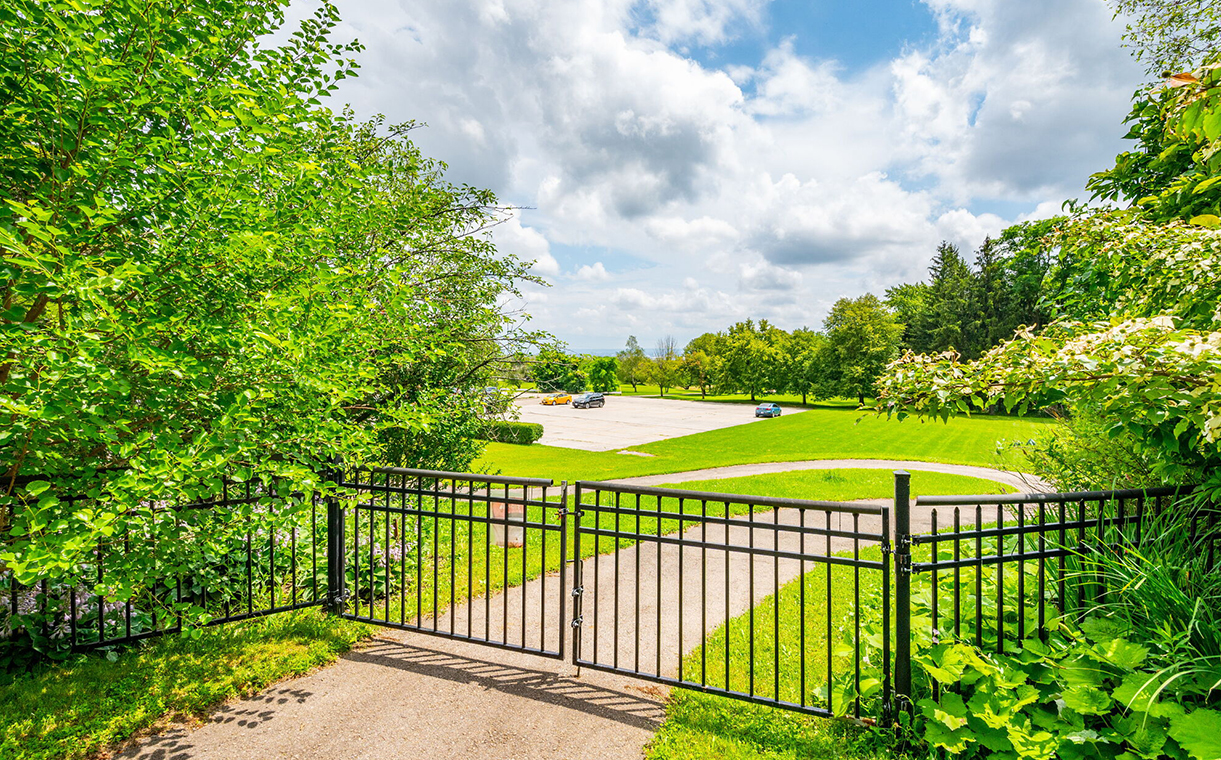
{"x": 767, "y": 410}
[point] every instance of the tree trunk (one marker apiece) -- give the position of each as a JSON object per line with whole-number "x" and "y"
{"x": 803, "y": 398}
{"x": 861, "y": 398}
{"x": 752, "y": 395}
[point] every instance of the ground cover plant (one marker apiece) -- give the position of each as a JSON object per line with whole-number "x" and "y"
{"x": 1134, "y": 673}
{"x": 815, "y": 434}
{"x": 88, "y": 704}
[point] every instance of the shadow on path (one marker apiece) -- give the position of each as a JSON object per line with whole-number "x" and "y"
{"x": 539, "y": 685}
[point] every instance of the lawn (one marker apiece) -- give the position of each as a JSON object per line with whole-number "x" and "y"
{"x": 702, "y": 725}
{"x": 693, "y": 394}
{"x": 823, "y": 433}
{"x": 81, "y": 707}
{"x": 844, "y": 484}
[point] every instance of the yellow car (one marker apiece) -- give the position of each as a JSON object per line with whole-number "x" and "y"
{"x": 557, "y": 398}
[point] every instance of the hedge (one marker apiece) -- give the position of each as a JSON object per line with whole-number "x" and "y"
{"x": 502, "y": 431}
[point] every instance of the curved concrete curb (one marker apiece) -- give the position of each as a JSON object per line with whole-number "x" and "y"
{"x": 1023, "y": 482}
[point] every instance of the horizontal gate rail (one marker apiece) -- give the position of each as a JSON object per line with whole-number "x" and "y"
{"x": 1002, "y": 566}
{"x": 262, "y": 565}
{"x": 748, "y": 597}
{"x": 456, "y": 555}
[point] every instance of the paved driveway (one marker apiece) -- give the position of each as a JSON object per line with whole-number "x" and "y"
{"x": 630, "y": 421}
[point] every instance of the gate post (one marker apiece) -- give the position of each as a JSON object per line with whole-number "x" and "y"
{"x": 336, "y": 575}
{"x": 578, "y": 580}
{"x": 903, "y": 571}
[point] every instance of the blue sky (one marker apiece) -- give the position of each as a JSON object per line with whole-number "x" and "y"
{"x": 683, "y": 164}
{"x": 856, "y": 35}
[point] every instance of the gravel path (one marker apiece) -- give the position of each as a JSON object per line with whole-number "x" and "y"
{"x": 412, "y": 695}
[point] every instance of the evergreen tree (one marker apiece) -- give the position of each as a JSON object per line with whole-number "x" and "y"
{"x": 950, "y": 319}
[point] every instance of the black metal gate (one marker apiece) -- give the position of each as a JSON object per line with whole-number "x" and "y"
{"x": 429, "y": 551}
{"x": 749, "y": 597}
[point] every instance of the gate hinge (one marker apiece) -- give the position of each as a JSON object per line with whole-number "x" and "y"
{"x": 576, "y": 621}
{"x": 903, "y": 553}
{"x": 578, "y": 591}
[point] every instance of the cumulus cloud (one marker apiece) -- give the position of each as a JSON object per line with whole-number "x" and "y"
{"x": 526, "y": 244}
{"x": 1023, "y": 100}
{"x": 761, "y": 275}
{"x": 593, "y": 273}
{"x": 787, "y": 182}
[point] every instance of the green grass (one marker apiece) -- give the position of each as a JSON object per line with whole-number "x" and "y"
{"x": 81, "y": 707}
{"x": 702, "y": 725}
{"x": 693, "y": 394}
{"x": 846, "y": 484}
{"x": 480, "y": 568}
{"x": 823, "y": 433}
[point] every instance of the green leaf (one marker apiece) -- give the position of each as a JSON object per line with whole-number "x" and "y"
{"x": 1137, "y": 691}
{"x": 1124, "y": 654}
{"x": 1199, "y": 733}
{"x": 953, "y": 741}
{"x": 1211, "y": 221}
{"x": 1087, "y": 700}
{"x": 950, "y": 711}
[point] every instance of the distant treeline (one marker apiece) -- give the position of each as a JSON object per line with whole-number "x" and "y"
{"x": 964, "y": 308}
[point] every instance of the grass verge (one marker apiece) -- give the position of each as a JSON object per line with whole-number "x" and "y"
{"x": 79, "y": 708}
{"x": 846, "y": 484}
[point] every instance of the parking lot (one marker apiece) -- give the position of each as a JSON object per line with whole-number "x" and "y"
{"x": 631, "y": 421}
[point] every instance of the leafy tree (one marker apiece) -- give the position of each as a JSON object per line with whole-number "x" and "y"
{"x": 806, "y": 359}
{"x": 1028, "y": 252}
{"x": 554, "y": 370}
{"x": 1169, "y": 36}
{"x": 632, "y": 363}
{"x": 908, "y": 301}
{"x": 665, "y": 368}
{"x": 698, "y": 370}
{"x": 604, "y": 374}
{"x": 749, "y": 357}
{"x": 1173, "y": 172}
{"x": 206, "y": 273}
{"x": 862, "y": 338}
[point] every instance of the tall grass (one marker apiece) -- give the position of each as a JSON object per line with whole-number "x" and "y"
{"x": 1166, "y": 591}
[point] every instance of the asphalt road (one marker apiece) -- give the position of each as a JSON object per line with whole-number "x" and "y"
{"x": 630, "y": 421}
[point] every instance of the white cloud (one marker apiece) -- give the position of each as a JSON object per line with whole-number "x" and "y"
{"x": 527, "y": 244}
{"x": 788, "y": 182}
{"x": 595, "y": 273}
{"x": 761, "y": 275}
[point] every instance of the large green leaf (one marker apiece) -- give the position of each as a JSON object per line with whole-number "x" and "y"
{"x": 1198, "y": 732}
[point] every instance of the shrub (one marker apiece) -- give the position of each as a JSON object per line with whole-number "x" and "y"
{"x": 504, "y": 431}
{"x": 1140, "y": 677}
